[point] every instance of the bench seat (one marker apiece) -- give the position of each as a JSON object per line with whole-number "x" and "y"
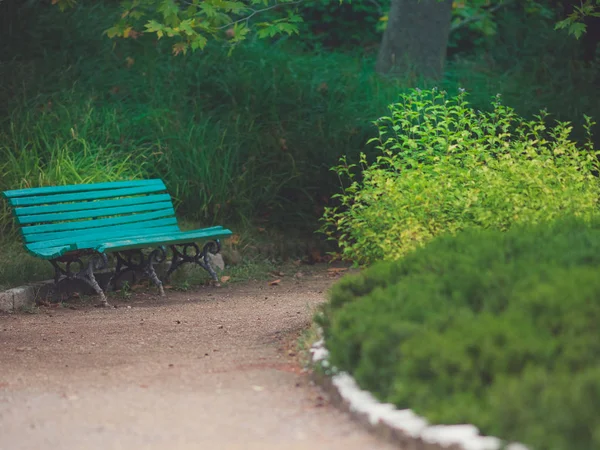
{"x": 124, "y": 241}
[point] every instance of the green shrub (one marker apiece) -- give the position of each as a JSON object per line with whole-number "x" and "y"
{"x": 485, "y": 327}
{"x": 444, "y": 167}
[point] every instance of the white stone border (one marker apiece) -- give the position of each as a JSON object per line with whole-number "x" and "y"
{"x": 20, "y": 297}
{"x": 404, "y": 427}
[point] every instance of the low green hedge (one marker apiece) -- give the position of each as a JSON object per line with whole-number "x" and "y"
{"x": 501, "y": 330}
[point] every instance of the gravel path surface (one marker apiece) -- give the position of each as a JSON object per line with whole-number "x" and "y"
{"x": 211, "y": 369}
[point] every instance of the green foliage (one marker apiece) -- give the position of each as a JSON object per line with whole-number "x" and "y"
{"x": 473, "y": 19}
{"x": 190, "y": 24}
{"x": 534, "y": 68}
{"x": 479, "y": 16}
{"x": 573, "y": 23}
{"x": 445, "y": 166}
{"x": 476, "y": 21}
{"x": 490, "y": 328}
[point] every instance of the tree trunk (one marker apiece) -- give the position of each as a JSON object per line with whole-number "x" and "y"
{"x": 415, "y": 39}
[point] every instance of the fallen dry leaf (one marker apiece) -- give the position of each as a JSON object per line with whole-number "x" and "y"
{"x": 335, "y": 271}
{"x": 225, "y": 279}
{"x": 274, "y": 282}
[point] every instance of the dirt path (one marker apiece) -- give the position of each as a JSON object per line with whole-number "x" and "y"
{"x": 208, "y": 369}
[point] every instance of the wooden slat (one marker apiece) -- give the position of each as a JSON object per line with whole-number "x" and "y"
{"x": 50, "y": 252}
{"x": 88, "y": 205}
{"x": 46, "y": 190}
{"x": 81, "y": 196}
{"x": 103, "y": 234}
{"x": 102, "y": 231}
{"x": 215, "y": 228}
{"x": 92, "y": 214}
{"x": 132, "y": 242}
{"x": 87, "y": 224}
{"x": 143, "y": 241}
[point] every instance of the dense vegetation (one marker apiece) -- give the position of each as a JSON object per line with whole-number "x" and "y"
{"x": 249, "y": 136}
{"x": 444, "y": 167}
{"x": 490, "y": 328}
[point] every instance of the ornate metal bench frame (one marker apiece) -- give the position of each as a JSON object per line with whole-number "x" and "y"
{"x": 132, "y": 261}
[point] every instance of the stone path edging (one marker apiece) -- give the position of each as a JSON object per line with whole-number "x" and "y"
{"x": 22, "y": 296}
{"x": 402, "y": 427}
{"x": 26, "y": 296}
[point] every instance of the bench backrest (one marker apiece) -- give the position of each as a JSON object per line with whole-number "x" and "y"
{"x": 82, "y": 211}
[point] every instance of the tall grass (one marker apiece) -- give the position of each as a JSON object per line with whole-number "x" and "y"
{"x": 241, "y": 137}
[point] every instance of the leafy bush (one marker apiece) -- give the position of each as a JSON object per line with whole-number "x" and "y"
{"x": 444, "y": 167}
{"x": 485, "y": 327}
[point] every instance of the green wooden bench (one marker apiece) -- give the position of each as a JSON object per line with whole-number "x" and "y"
{"x": 69, "y": 224}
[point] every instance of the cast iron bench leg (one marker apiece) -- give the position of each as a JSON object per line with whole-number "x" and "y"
{"x": 157, "y": 256}
{"x": 84, "y": 273}
{"x": 135, "y": 261}
{"x": 183, "y": 255}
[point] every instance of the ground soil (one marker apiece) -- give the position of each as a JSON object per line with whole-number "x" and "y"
{"x": 212, "y": 368}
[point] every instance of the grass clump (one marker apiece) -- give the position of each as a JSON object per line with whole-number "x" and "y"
{"x": 490, "y": 328}
{"x": 444, "y": 166}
